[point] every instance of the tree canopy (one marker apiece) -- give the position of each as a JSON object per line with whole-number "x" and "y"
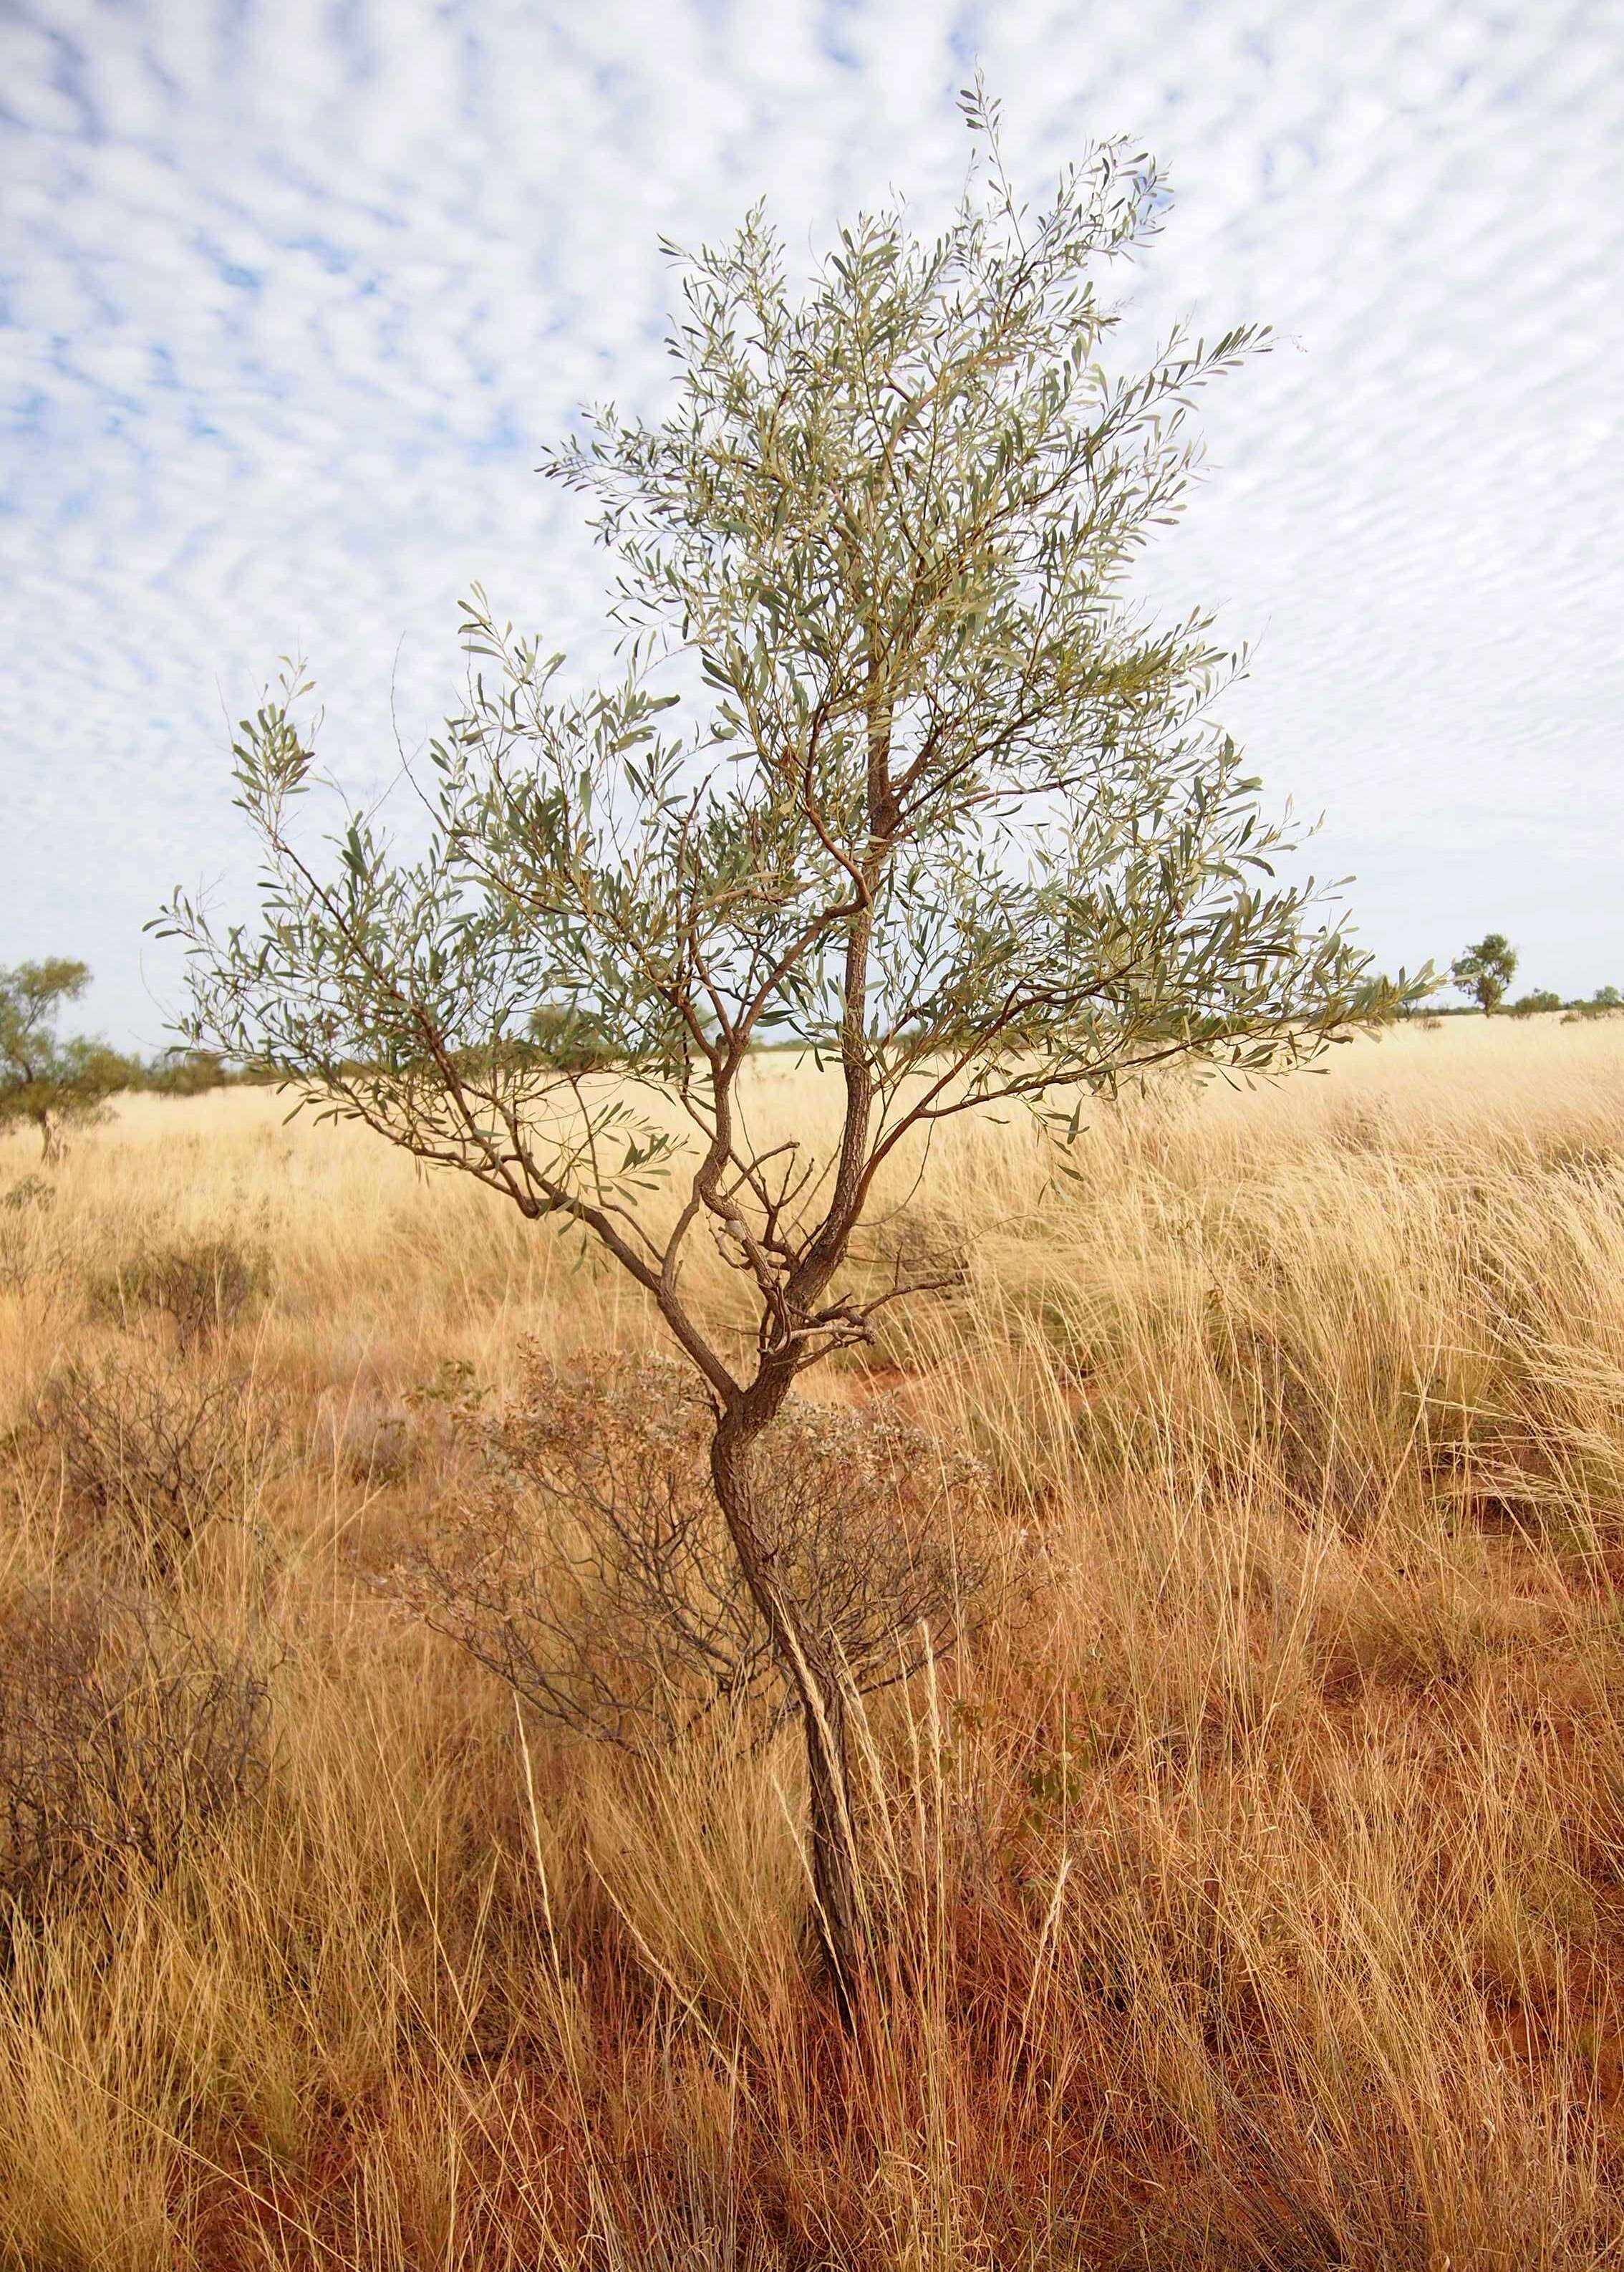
{"x": 1485, "y": 971}
{"x": 50, "y": 1083}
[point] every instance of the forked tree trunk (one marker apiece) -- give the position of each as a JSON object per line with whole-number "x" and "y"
{"x": 813, "y": 1671}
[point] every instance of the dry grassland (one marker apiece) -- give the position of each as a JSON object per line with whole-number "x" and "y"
{"x": 1250, "y": 1893}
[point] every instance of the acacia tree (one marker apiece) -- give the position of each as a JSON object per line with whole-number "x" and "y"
{"x": 1486, "y": 970}
{"x": 42, "y": 1080}
{"x": 950, "y": 811}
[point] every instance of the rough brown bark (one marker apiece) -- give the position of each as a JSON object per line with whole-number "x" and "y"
{"x": 817, "y": 1680}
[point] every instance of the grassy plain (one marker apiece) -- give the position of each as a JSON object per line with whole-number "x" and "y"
{"x": 1253, "y": 1893}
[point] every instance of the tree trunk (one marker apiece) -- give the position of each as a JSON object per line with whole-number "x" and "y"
{"x": 834, "y": 1856}
{"x": 810, "y": 1667}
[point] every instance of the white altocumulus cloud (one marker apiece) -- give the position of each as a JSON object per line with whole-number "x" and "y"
{"x": 292, "y": 294}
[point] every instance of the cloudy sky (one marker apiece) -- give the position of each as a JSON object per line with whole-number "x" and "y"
{"x": 291, "y": 293}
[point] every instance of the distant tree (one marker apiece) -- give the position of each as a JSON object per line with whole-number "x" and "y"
{"x": 186, "y": 1073}
{"x": 954, "y": 814}
{"x": 1486, "y": 970}
{"x": 52, "y": 1083}
{"x": 1604, "y": 1003}
{"x": 1404, "y": 997}
{"x": 567, "y": 1038}
{"x": 1531, "y": 1005}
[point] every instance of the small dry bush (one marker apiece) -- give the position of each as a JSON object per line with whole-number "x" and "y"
{"x": 204, "y": 1286}
{"x": 28, "y": 1192}
{"x": 589, "y": 1568}
{"x": 31, "y": 1249}
{"x": 123, "y": 1736}
{"x": 156, "y": 1451}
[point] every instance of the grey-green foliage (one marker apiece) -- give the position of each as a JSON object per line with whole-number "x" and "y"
{"x": 954, "y": 811}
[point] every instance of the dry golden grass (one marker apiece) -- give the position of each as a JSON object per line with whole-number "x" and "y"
{"x": 1253, "y": 1897}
